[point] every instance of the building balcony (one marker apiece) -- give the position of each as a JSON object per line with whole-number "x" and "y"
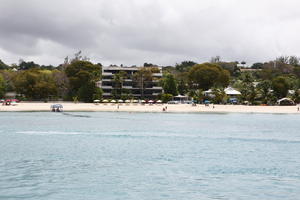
{"x": 106, "y": 80}
{"x": 155, "y": 94}
{"x": 106, "y": 94}
{"x": 154, "y": 88}
{"x": 127, "y": 87}
{"x": 107, "y": 74}
{"x": 106, "y": 87}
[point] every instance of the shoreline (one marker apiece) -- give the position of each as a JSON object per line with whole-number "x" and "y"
{"x": 156, "y": 108}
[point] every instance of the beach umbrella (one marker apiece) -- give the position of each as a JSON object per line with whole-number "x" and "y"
{"x": 159, "y": 101}
{"x": 113, "y": 101}
{"x": 127, "y": 101}
{"x": 120, "y": 101}
{"x": 143, "y": 101}
{"x": 135, "y": 101}
{"x": 96, "y": 101}
{"x": 105, "y": 101}
{"x": 151, "y": 101}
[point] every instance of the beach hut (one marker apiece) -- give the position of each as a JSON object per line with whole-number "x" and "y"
{"x": 286, "y": 102}
{"x": 233, "y": 95}
{"x": 180, "y": 98}
{"x": 231, "y": 92}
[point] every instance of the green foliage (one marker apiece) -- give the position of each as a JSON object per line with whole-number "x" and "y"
{"x": 280, "y": 86}
{"x": 169, "y": 84}
{"x": 2, "y": 86}
{"x": 257, "y": 66}
{"x": 27, "y": 65}
{"x": 142, "y": 76}
{"x": 185, "y": 66}
{"x": 166, "y": 97}
{"x": 89, "y": 92}
{"x": 264, "y": 91}
{"x": 197, "y": 95}
{"x": 119, "y": 79}
{"x": 231, "y": 67}
{"x": 3, "y": 65}
{"x": 205, "y": 76}
{"x": 219, "y": 95}
{"x": 36, "y": 84}
{"x": 83, "y": 76}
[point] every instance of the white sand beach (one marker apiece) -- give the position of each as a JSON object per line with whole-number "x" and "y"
{"x": 68, "y": 106}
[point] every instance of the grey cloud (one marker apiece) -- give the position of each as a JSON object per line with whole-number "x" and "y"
{"x": 136, "y": 31}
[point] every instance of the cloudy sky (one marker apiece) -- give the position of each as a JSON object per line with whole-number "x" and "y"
{"x": 163, "y": 32}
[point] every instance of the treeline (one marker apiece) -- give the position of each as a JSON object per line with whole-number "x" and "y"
{"x": 260, "y": 83}
{"x": 76, "y": 79}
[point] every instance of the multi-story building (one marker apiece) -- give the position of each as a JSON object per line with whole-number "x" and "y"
{"x": 130, "y": 81}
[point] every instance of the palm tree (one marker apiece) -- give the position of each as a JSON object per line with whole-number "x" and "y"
{"x": 196, "y": 95}
{"x": 118, "y": 83}
{"x": 264, "y": 89}
{"x": 140, "y": 77}
{"x": 220, "y": 95}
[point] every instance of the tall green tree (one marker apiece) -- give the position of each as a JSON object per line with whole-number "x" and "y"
{"x": 27, "y": 65}
{"x": 2, "y": 86}
{"x": 141, "y": 77}
{"x": 184, "y": 66}
{"x": 205, "y": 76}
{"x": 82, "y": 75}
{"x": 265, "y": 91}
{"x": 219, "y": 95}
{"x": 197, "y": 95}
{"x": 119, "y": 79}
{"x": 169, "y": 84}
{"x": 280, "y": 86}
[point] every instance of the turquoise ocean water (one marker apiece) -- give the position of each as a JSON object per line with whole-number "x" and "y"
{"x": 155, "y": 156}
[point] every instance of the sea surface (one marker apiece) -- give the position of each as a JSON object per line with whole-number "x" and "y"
{"x": 149, "y": 156}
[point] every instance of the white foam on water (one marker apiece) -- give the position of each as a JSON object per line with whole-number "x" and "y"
{"x": 160, "y": 135}
{"x": 48, "y": 133}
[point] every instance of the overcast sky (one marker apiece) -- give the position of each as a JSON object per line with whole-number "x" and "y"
{"x": 163, "y": 32}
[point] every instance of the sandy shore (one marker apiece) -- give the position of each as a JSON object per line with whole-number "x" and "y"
{"x": 152, "y": 108}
